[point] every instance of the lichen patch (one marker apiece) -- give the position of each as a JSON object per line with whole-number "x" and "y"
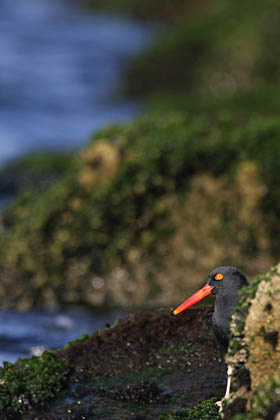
{"x": 261, "y": 330}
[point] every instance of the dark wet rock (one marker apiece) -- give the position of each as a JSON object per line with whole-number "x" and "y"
{"x": 273, "y": 411}
{"x": 142, "y": 392}
{"x": 146, "y": 365}
{"x": 146, "y": 340}
{"x": 242, "y": 378}
{"x": 236, "y": 407}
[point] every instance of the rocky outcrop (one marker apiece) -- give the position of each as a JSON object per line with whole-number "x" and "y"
{"x": 255, "y": 350}
{"x": 124, "y": 225}
{"x": 152, "y": 363}
{"x": 142, "y": 367}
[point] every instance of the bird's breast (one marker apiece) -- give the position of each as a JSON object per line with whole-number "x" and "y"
{"x": 224, "y": 307}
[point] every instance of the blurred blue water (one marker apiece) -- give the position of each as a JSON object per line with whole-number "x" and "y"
{"x": 59, "y": 69}
{"x": 29, "y": 333}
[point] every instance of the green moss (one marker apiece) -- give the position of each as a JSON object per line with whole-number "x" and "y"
{"x": 227, "y": 50}
{"x": 78, "y": 234}
{"x": 175, "y": 348}
{"x": 99, "y": 236}
{"x": 207, "y": 410}
{"x": 31, "y": 382}
{"x": 150, "y": 375}
{"x": 42, "y": 162}
{"x": 265, "y": 397}
{"x": 181, "y": 348}
{"x": 246, "y": 295}
{"x": 81, "y": 339}
{"x": 228, "y": 47}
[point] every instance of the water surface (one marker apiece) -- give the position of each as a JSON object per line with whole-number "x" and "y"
{"x": 30, "y": 333}
{"x": 59, "y": 70}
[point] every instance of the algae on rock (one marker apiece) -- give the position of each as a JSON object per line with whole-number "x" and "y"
{"x": 146, "y": 364}
{"x": 124, "y": 227}
{"x": 30, "y": 383}
{"x": 262, "y": 329}
{"x": 254, "y": 350}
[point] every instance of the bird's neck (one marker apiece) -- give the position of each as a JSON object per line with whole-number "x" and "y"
{"x": 225, "y": 303}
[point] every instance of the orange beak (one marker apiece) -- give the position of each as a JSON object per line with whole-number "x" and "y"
{"x": 196, "y": 297}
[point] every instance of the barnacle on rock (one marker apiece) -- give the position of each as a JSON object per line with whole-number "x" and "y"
{"x": 255, "y": 349}
{"x": 261, "y": 330}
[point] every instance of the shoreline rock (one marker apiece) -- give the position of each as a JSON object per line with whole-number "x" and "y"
{"x": 154, "y": 365}
{"x": 145, "y": 365}
{"x": 254, "y": 351}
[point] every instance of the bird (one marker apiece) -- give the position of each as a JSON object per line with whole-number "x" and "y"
{"x": 224, "y": 282}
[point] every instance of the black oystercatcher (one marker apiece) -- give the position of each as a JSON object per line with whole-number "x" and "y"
{"x": 224, "y": 282}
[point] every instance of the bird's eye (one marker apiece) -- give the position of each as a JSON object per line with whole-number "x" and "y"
{"x": 219, "y": 276}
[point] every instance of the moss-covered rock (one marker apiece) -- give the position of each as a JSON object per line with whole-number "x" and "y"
{"x": 231, "y": 48}
{"x": 30, "y": 383}
{"x": 207, "y": 410}
{"x": 254, "y": 350}
{"x": 262, "y": 328}
{"x": 120, "y": 228}
{"x": 263, "y": 404}
{"x": 146, "y": 365}
{"x": 210, "y": 49}
{"x": 35, "y": 172}
{"x": 124, "y": 225}
{"x": 152, "y": 364}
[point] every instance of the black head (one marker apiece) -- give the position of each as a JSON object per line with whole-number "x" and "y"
{"x": 223, "y": 281}
{"x": 226, "y": 279}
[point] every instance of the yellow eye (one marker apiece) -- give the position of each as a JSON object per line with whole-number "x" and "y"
{"x": 219, "y": 276}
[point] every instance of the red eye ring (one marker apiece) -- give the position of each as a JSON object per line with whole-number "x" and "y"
{"x": 219, "y": 276}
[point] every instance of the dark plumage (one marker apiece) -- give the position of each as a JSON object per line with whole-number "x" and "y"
{"x": 226, "y": 292}
{"x": 223, "y": 282}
